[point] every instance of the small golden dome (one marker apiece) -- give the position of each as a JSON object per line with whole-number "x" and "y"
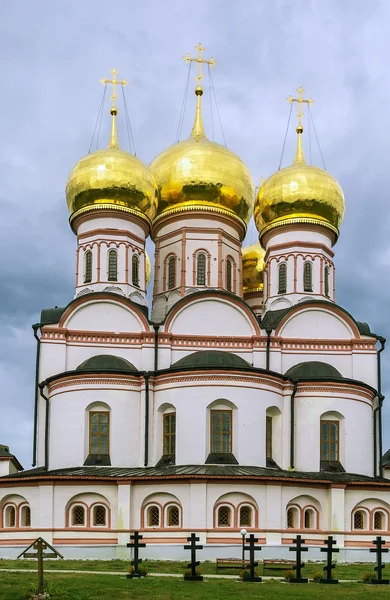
{"x": 111, "y": 179}
{"x": 253, "y": 268}
{"x": 197, "y": 174}
{"x": 300, "y": 193}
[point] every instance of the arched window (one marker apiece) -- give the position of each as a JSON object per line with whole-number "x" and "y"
{"x": 268, "y": 437}
{"x": 99, "y": 516}
{"x": 88, "y": 266}
{"x": 358, "y": 519}
{"x": 379, "y": 520}
{"x": 308, "y": 519}
{"x": 329, "y": 441}
{"x": 153, "y": 516}
{"x": 78, "y": 516}
{"x": 10, "y": 516}
{"x": 169, "y": 434}
{"x": 25, "y": 516}
{"x": 229, "y": 275}
{"x": 112, "y": 265}
{"x": 282, "y": 279}
{"x": 326, "y": 280}
{"x": 221, "y": 431}
{"x": 135, "y": 270}
{"x": 201, "y": 269}
{"x": 173, "y": 515}
{"x": 292, "y": 518}
{"x": 172, "y": 273}
{"x": 99, "y": 432}
{"x": 245, "y": 519}
{"x": 224, "y": 516}
{"x": 308, "y": 277}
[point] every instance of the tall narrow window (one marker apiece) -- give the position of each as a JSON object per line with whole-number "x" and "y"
{"x": 201, "y": 269}
{"x": 379, "y": 521}
{"x": 171, "y": 272}
{"x": 329, "y": 440}
{"x": 10, "y": 516}
{"x": 221, "y": 431}
{"x": 309, "y": 519}
{"x": 112, "y": 265}
{"x": 88, "y": 266}
{"x": 99, "y": 516}
{"x": 135, "y": 270}
{"x": 358, "y": 520}
{"x": 229, "y": 274}
{"x": 173, "y": 516}
{"x": 154, "y": 516}
{"x": 78, "y": 515}
{"x": 169, "y": 434}
{"x": 25, "y": 516}
{"x": 326, "y": 280}
{"x": 224, "y": 516}
{"x": 245, "y": 516}
{"x": 307, "y": 277}
{"x": 282, "y": 287}
{"x": 99, "y": 433}
{"x": 292, "y": 518}
{"x": 268, "y": 436}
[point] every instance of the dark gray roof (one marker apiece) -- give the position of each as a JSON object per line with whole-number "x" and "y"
{"x": 106, "y": 362}
{"x": 386, "y": 459}
{"x": 211, "y": 358}
{"x": 5, "y": 453}
{"x": 196, "y": 471}
{"x": 313, "y": 369}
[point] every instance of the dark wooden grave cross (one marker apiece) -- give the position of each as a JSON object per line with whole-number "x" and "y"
{"x": 378, "y": 543}
{"x": 252, "y": 563}
{"x": 299, "y": 564}
{"x": 135, "y": 543}
{"x": 329, "y": 543}
{"x": 39, "y": 546}
{"x": 193, "y": 547}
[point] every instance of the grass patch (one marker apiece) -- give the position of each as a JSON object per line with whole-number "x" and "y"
{"x": 14, "y": 586}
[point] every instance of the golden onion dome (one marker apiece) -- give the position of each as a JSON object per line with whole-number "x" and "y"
{"x": 300, "y": 193}
{"x": 253, "y": 268}
{"x": 111, "y": 179}
{"x": 197, "y": 174}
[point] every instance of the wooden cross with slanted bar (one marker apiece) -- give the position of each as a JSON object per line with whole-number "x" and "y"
{"x": 200, "y": 60}
{"x": 114, "y": 81}
{"x": 40, "y": 545}
{"x": 300, "y": 100}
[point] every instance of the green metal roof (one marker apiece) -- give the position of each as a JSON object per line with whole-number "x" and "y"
{"x": 313, "y": 369}
{"x": 49, "y": 316}
{"x": 211, "y": 358}
{"x": 104, "y": 362}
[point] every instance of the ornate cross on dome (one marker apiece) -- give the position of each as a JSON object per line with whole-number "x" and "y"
{"x": 199, "y": 59}
{"x": 114, "y": 111}
{"x": 301, "y": 100}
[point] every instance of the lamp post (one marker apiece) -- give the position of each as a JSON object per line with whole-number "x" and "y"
{"x": 243, "y": 533}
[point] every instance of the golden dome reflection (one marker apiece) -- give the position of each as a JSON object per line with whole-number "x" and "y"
{"x": 253, "y": 268}
{"x": 300, "y": 193}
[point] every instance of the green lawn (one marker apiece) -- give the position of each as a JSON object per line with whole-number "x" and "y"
{"x": 14, "y": 586}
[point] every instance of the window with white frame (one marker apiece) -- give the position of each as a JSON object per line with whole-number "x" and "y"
{"x": 201, "y": 269}
{"x": 78, "y": 516}
{"x": 25, "y": 516}
{"x": 112, "y": 265}
{"x": 88, "y": 266}
{"x": 224, "y": 516}
{"x": 153, "y": 516}
{"x": 10, "y": 516}
{"x": 99, "y": 516}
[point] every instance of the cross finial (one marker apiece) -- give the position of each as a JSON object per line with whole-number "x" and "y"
{"x": 200, "y": 60}
{"x": 300, "y": 100}
{"x": 114, "y": 111}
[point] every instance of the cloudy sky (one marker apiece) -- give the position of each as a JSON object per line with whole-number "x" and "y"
{"x": 52, "y": 56}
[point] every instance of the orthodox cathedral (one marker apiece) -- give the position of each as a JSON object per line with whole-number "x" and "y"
{"x": 244, "y": 397}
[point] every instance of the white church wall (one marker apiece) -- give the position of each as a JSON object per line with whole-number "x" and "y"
{"x": 316, "y": 324}
{"x": 107, "y": 315}
{"x": 65, "y": 496}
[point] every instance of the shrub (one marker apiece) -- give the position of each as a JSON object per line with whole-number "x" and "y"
{"x": 369, "y": 577}
{"x": 290, "y": 574}
{"x": 188, "y": 572}
{"x": 318, "y": 576}
{"x": 245, "y": 573}
{"x": 141, "y": 570}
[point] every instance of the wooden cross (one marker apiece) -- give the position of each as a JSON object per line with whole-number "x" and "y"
{"x": 300, "y": 100}
{"x": 114, "y": 82}
{"x": 135, "y": 543}
{"x": 193, "y": 547}
{"x": 329, "y": 543}
{"x": 40, "y": 545}
{"x": 252, "y": 563}
{"x": 378, "y": 543}
{"x": 299, "y": 564}
{"x": 200, "y": 60}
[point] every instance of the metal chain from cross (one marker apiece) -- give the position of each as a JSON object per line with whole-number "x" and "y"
{"x": 300, "y": 101}
{"x": 114, "y": 81}
{"x": 40, "y": 545}
{"x": 194, "y": 563}
{"x": 135, "y": 543}
{"x": 378, "y": 543}
{"x": 252, "y": 563}
{"x": 200, "y": 60}
{"x": 329, "y": 543}
{"x": 299, "y": 564}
